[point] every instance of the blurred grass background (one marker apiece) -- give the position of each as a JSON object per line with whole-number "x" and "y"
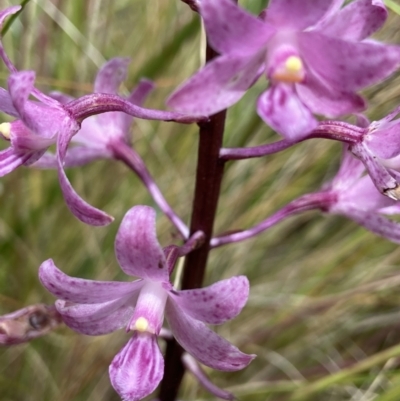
{"x": 324, "y": 311}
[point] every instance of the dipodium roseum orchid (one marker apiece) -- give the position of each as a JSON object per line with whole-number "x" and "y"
{"x": 47, "y": 121}
{"x": 94, "y": 308}
{"x": 313, "y": 52}
{"x": 351, "y": 193}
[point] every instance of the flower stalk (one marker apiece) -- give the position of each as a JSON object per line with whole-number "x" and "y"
{"x": 334, "y": 130}
{"x": 131, "y": 158}
{"x": 209, "y": 174}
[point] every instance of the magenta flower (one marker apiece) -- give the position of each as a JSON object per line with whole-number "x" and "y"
{"x": 313, "y": 53}
{"x": 94, "y": 308}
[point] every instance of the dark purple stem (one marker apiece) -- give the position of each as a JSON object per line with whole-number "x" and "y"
{"x": 209, "y": 174}
{"x": 335, "y": 130}
{"x": 127, "y": 155}
{"x": 98, "y": 103}
{"x": 319, "y": 200}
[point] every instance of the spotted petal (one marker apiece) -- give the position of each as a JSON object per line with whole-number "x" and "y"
{"x": 75, "y": 157}
{"x": 138, "y": 368}
{"x": 81, "y": 209}
{"x": 356, "y": 21}
{"x": 41, "y": 119}
{"x": 296, "y": 14}
{"x": 385, "y": 142}
{"x": 10, "y": 160}
{"x": 231, "y": 29}
{"x": 6, "y": 105}
{"x": 347, "y": 65}
{"x": 322, "y": 98}
{"x": 281, "y": 108}
{"x": 205, "y": 345}
{"x": 363, "y": 195}
{"x": 97, "y": 319}
{"x": 215, "y": 304}
{"x": 380, "y": 176}
{"x": 136, "y": 246}
{"x": 221, "y": 83}
{"x": 349, "y": 172}
{"x": 81, "y": 291}
{"x": 376, "y": 223}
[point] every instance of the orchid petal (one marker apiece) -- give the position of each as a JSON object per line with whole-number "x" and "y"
{"x": 111, "y": 75}
{"x": 76, "y": 156}
{"x": 205, "y": 345}
{"x": 79, "y": 156}
{"x": 349, "y": 172}
{"x": 363, "y": 195}
{"x": 81, "y": 209}
{"x": 296, "y": 14}
{"x": 322, "y": 98}
{"x": 137, "y": 248}
{"x": 376, "y": 223}
{"x": 390, "y": 210}
{"x": 25, "y": 140}
{"x": 389, "y": 117}
{"x": 3, "y": 55}
{"x": 193, "y": 367}
{"x": 385, "y": 142}
{"x": 348, "y": 66}
{"x": 334, "y": 7}
{"x": 10, "y": 160}
{"x": 108, "y": 80}
{"x": 95, "y": 135}
{"x": 231, "y": 29}
{"x": 361, "y": 120}
{"x": 6, "y": 105}
{"x": 281, "y": 108}
{"x": 42, "y": 120}
{"x": 383, "y": 181}
{"x": 356, "y": 21}
{"x": 141, "y": 91}
{"x": 138, "y": 368}
{"x": 215, "y": 304}
{"x": 97, "y": 319}
{"x": 83, "y": 291}
{"x": 221, "y": 83}
{"x": 33, "y": 157}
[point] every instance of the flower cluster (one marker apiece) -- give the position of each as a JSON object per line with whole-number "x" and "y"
{"x": 95, "y": 307}
{"x": 49, "y": 121}
{"x": 316, "y": 56}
